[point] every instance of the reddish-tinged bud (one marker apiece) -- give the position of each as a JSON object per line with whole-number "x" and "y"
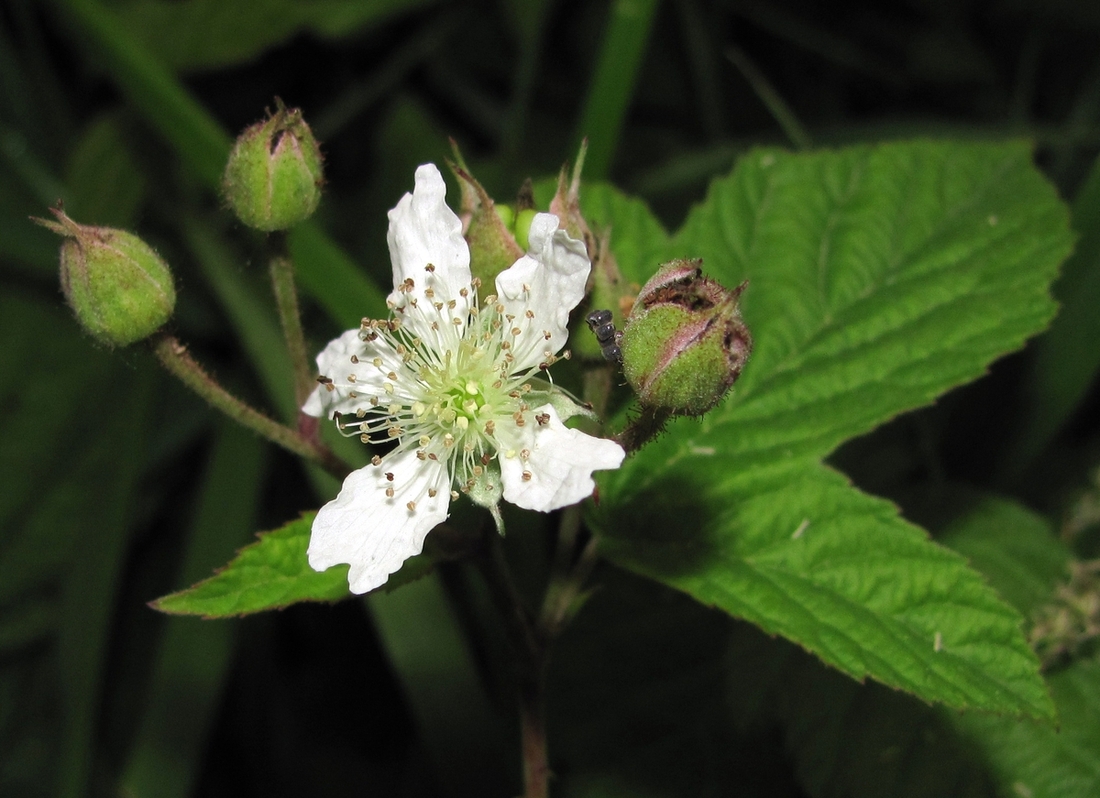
{"x": 684, "y": 344}
{"x": 273, "y": 177}
{"x": 120, "y": 290}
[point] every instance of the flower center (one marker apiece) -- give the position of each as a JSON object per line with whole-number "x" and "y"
{"x": 447, "y": 382}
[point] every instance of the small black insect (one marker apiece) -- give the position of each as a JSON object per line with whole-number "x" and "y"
{"x": 606, "y": 334}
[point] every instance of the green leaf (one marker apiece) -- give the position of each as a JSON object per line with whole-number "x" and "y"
{"x": 1014, "y": 548}
{"x": 1043, "y": 762}
{"x": 638, "y": 239}
{"x": 272, "y": 574}
{"x": 796, "y": 550}
{"x": 1020, "y": 554}
{"x": 893, "y": 745}
{"x": 879, "y": 278}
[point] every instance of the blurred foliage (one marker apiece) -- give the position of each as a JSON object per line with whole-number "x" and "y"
{"x": 116, "y": 486}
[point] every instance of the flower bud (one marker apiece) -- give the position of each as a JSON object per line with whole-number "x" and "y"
{"x": 120, "y": 290}
{"x": 684, "y": 343}
{"x": 489, "y": 231}
{"x": 273, "y": 177}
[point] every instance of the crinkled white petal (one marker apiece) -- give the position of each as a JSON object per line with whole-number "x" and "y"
{"x": 425, "y": 231}
{"x": 549, "y": 281}
{"x": 559, "y": 465}
{"x": 376, "y": 534}
{"x": 356, "y": 370}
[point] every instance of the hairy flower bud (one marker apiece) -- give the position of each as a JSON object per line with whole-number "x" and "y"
{"x": 684, "y": 343}
{"x": 120, "y": 290}
{"x": 489, "y": 230}
{"x": 273, "y": 177}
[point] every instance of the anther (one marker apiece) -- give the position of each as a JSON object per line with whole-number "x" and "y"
{"x": 389, "y": 476}
{"x": 389, "y": 493}
{"x": 376, "y": 461}
{"x": 432, "y": 493}
{"x": 526, "y": 476}
{"x": 411, "y": 506}
{"x": 354, "y": 358}
{"x": 542, "y": 418}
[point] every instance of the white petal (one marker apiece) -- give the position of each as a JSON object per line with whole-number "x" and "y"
{"x": 424, "y": 230}
{"x": 559, "y": 466}
{"x": 376, "y": 534}
{"x": 353, "y": 382}
{"x": 549, "y": 281}
{"x": 337, "y": 352}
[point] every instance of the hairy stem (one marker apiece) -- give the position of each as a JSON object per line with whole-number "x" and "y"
{"x": 174, "y": 356}
{"x": 286, "y": 301}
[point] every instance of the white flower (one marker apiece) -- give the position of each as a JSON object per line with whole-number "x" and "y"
{"x": 457, "y": 385}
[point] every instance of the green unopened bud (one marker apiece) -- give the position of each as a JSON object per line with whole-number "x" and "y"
{"x": 684, "y": 344}
{"x": 273, "y": 178}
{"x": 119, "y": 288}
{"x": 523, "y": 227}
{"x": 489, "y": 232}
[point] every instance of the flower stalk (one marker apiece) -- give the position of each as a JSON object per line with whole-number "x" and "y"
{"x": 174, "y": 356}
{"x": 283, "y": 284}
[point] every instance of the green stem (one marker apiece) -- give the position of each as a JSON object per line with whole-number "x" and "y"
{"x": 290, "y": 317}
{"x": 174, "y": 356}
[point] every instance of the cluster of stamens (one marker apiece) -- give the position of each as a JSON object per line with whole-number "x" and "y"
{"x": 445, "y": 377}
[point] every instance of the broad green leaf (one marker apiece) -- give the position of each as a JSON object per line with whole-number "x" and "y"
{"x": 269, "y": 574}
{"x": 796, "y": 550}
{"x": 879, "y": 277}
{"x": 848, "y": 739}
{"x": 1020, "y": 554}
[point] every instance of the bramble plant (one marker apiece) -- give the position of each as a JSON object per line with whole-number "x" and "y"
{"x": 602, "y": 500}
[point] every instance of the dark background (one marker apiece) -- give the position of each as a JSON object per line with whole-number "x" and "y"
{"x": 117, "y": 486}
